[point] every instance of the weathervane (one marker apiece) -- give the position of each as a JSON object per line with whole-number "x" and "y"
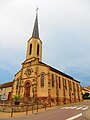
{"x": 37, "y": 10}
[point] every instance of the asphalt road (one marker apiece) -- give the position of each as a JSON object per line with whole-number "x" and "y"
{"x": 71, "y": 112}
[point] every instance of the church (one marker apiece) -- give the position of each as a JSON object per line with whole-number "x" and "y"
{"x": 41, "y": 81}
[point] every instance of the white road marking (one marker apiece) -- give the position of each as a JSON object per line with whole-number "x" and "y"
{"x": 63, "y": 107}
{"x": 85, "y": 108}
{"x": 79, "y": 108}
{"x": 74, "y": 107}
{"x": 69, "y": 107}
{"x": 74, "y": 117}
{"x": 66, "y": 107}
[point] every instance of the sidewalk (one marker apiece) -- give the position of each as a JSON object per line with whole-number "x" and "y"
{"x": 86, "y": 114}
{"x": 19, "y": 114}
{"x": 8, "y": 115}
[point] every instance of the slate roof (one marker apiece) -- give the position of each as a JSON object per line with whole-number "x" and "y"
{"x": 35, "y": 33}
{"x": 59, "y": 72}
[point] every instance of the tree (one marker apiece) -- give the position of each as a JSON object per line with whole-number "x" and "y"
{"x": 86, "y": 96}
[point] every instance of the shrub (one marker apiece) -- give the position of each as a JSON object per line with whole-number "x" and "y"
{"x": 86, "y": 96}
{"x": 16, "y": 98}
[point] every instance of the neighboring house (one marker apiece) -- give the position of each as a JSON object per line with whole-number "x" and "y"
{"x": 6, "y": 89}
{"x": 39, "y": 80}
{"x": 85, "y": 90}
{"x": 88, "y": 87}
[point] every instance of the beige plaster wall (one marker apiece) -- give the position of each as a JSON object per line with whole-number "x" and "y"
{"x": 42, "y": 91}
{"x": 5, "y": 91}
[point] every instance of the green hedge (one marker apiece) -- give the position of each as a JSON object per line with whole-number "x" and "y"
{"x": 86, "y": 97}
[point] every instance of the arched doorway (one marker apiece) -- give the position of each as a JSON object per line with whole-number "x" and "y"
{"x": 27, "y": 90}
{"x": 9, "y": 95}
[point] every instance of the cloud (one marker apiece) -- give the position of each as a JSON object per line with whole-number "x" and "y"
{"x": 64, "y": 29}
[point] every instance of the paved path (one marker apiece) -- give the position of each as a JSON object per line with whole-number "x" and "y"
{"x": 68, "y": 112}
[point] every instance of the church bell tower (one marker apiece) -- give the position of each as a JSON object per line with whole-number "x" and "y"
{"x": 34, "y": 46}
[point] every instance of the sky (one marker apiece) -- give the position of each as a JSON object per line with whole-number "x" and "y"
{"x": 64, "y": 28}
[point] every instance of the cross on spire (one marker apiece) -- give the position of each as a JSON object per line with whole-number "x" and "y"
{"x": 37, "y": 10}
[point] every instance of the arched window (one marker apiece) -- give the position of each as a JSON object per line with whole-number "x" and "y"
{"x": 38, "y": 49}
{"x": 59, "y": 82}
{"x": 52, "y": 80}
{"x": 69, "y": 85}
{"x": 64, "y": 83}
{"x": 42, "y": 79}
{"x": 17, "y": 84}
{"x": 30, "y": 52}
{"x": 77, "y": 87}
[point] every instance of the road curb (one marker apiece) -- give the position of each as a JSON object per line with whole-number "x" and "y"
{"x": 86, "y": 114}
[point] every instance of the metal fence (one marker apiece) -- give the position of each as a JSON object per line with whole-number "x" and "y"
{"x": 23, "y": 107}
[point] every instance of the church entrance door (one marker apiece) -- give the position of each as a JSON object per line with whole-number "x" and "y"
{"x": 27, "y": 90}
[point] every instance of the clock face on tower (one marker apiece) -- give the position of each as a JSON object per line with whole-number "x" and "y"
{"x": 28, "y": 72}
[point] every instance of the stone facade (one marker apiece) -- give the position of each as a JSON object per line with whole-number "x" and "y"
{"x": 66, "y": 90}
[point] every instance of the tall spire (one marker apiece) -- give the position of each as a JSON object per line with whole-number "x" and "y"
{"x": 35, "y": 33}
